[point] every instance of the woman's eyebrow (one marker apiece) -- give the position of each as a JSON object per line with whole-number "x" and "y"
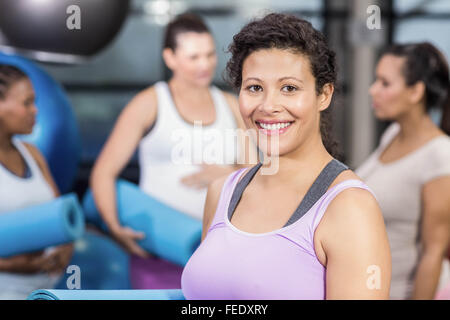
{"x": 290, "y": 78}
{"x": 251, "y": 78}
{"x": 279, "y": 80}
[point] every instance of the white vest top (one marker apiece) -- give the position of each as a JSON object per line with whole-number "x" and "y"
{"x": 175, "y": 148}
{"x": 17, "y": 192}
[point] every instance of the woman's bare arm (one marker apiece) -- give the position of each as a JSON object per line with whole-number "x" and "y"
{"x": 130, "y": 127}
{"x": 355, "y": 242}
{"x": 435, "y": 231}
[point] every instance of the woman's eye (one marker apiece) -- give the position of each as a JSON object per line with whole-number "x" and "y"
{"x": 254, "y": 88}
{"x": 383, "y": 82}
{"x": 289, "y": 88}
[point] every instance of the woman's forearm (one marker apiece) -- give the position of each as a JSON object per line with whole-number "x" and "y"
{"x": 427, "y": 276}
{"x": 22, "y": 263}
{"x": 104, "y": 192}
{"x": 5, "y": 264}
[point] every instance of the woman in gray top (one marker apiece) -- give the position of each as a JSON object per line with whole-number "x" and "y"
{"x": 410, "y": 170}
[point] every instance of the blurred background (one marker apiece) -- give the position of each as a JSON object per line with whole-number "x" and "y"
{"x": 100, "y": 85}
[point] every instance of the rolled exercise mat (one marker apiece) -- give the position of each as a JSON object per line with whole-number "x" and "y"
{"x": 170, "y": 294}
{"x": 37, "y": 227}
{"x": 169, "y": 233}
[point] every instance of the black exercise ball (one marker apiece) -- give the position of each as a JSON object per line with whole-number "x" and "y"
{"x": 51, "y": 25}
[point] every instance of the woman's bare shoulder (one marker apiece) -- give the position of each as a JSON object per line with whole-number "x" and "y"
{"x": 140, "y": 112}
{"x": 345, "y": 175}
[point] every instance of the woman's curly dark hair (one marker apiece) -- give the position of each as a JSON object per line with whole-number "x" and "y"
{"x": 287, "y": 32}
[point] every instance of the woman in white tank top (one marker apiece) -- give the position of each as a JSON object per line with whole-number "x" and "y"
{"x": 25, "y": 180}
{"x": 165, "y": 122}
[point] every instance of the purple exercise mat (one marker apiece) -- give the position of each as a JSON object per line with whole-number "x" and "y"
{"x": 154, "y": 273}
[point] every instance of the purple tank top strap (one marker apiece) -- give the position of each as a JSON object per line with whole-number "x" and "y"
{"x": 225, "y": 196}
{"x": 331, "y": 194}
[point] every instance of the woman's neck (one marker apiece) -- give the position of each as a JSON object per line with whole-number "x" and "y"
{"x": 179, "y": 86}
{"x": 415, "y": 124}
{"x": 308, "y": 159}
{"x": 5, "y": 141}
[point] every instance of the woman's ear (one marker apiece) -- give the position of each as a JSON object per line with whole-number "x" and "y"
{"x": 169, "y": 58}
{"x": 417, "y": 92}
{"x": 325, "y": 96}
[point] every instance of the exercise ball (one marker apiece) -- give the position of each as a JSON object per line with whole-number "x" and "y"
{"x": 103, "y": 264}
{"x": 56, "y": 132}
{"x": 74, "y": 27}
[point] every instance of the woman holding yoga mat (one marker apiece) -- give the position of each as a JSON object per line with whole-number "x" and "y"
{"x": 25, "y": 180}
{"x": 410, "y": 169}
{"x": 310, "y": 229}
{"x": 155, "y": 122}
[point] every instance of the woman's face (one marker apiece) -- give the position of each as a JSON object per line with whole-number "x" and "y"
{"x": 17, "y": 110}
{"x": 390, "y": 94}
{"x": 194, "y": 58}
{"x": 278, "y": 98}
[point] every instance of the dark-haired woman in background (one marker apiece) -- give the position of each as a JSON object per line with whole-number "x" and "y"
{"x": 311, "y": 230}
{"x": 25, "y": 180}
{"x": 149, "y": 123}
{"x": 410, "y": 170}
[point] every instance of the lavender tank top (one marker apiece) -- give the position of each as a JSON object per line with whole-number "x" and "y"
{"x": 231, "y": 264}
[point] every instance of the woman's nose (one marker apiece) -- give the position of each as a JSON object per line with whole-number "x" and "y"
{"x": 34, "y": 109}
{"x": 372, "y": 89}
{"x": 206, "y": 63}
{"x": 270, "y": 102}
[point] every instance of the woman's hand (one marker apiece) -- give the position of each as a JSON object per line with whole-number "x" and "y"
{"x": 127, "y": 238}
{"x": 206, "y": 175}
{"x": 58, "y": 259}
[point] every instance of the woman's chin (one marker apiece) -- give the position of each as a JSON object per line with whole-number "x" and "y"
{"x": 203, "y": 81}
{"x": 25, "y": 131}
{"x": 273, "y": 152}
{"x": 382, "y": 116}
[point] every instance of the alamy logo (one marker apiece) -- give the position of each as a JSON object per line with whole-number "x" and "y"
{"x": 374, "y": 280}
{"x": 222, "y": 146}
{"x": 73, "y": 22}
{"x": 74, "y": 280}
{"x": 374, "y": 20}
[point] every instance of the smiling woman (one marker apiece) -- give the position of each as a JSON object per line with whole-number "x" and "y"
{"x": 259, "y": 242}
{"x": 310, "y": 46}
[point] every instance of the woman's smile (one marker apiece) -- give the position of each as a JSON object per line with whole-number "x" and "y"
{"x": 272, "y": 127}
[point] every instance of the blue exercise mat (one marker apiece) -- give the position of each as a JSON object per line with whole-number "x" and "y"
{"x": 38, "y": 227}
{"x": 169, "y": 233}
{"x": 169, "y": 294}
